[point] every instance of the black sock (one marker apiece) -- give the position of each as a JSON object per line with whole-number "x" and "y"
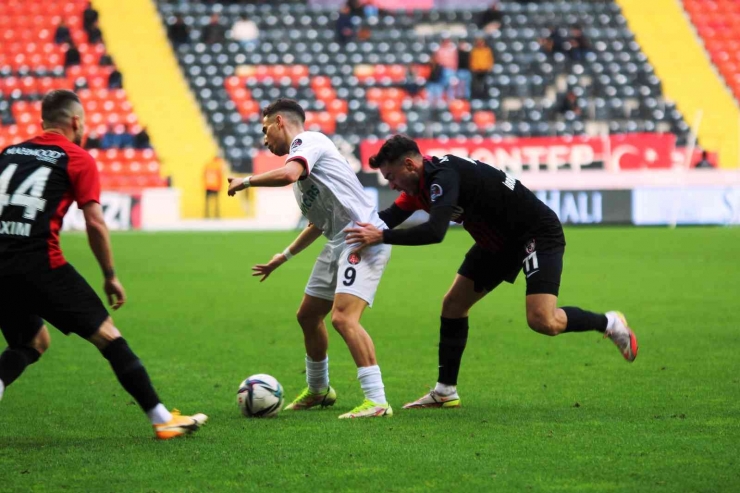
{"x": 581, "y": 320}
{"x": 131, "y": 373}
{"x": 14, "y": 360}
{"x": 453, "y": 336}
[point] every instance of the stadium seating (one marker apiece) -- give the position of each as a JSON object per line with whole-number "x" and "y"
{"x": 718, "y": 23}
{"x": 357, "y": 90}
{"x": 31, "y": 64}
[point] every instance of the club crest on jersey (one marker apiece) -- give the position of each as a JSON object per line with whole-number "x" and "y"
{"x": 530, "y": 246}
{"x": 295, "y": 145}
{"x": 435, "y": 192}
{"x": 354, "y": 258}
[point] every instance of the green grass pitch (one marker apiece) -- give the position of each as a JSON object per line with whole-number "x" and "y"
{"x": 539, "y": 414}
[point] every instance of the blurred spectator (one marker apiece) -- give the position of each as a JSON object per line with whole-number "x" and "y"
{"x": 704, "y": 162}
{"x": 214, "y": 32}
{"x": 579, "y": 44}
{"x": 446, "y": 56}
{"x": 489, "y": 20}
{"x": 72, "y": 56}
{"x": 463, "y": 71}
{"x": 115, "y": 80}
{"x": 105, "y": 60}
{"x": 370, "y": 9}
{"x": 364, "y": 33}
{"x": 93, "y": 140}
{"x": 481, "y": 64}
{"x": 554, "y": 42}
{"x": 179, "y": 32}
{"x": 141, "y": 140}
{"x": 94, "y": 35}
{"x": 62, "y": 34}
{"x": 412, "y": 83}
{"x": 109, "y": 139}
{"x": 117, "y": 138}
{"x": 345, "y": 29}
{"x": 89, "y": 17}
{"x": 435, "y": 83}
{"x": 246, "y": 32}
{"x": 570, "y": 103}
{"x": 356, "y": 9}
{"x": 212, "y": 182}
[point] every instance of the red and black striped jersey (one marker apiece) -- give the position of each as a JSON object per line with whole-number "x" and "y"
{"x": 39, "y": 180}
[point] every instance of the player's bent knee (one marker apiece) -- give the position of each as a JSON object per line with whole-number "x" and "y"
{"x": 341, "y": 322}
{"x": 41, "y": 341}
{"x": 454, "y": 307}
{"x": 105, "y": 334}
{"x": 305, "y": 318}
{"x": 543, "y": 324}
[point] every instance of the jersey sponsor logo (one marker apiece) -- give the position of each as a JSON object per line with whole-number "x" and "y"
{"x": 295, "y": 145}
{"x": 457, "y": 213}
{"x": 309, "y": 197}
{"x": 15, "y": 228}
{"x": 435, "y": 192}
{"x": 354, "y": 258}
{"x": 530, "y": 246}
{"x": 41, "y": 154}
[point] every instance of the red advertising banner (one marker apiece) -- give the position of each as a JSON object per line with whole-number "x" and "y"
{"x": 628, "y": 151}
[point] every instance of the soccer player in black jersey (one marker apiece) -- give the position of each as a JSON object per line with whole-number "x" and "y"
{"x": 512, "y": 230}
{"x": 39, "y": 180}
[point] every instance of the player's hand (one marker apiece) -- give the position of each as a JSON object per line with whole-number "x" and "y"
{"x": 265, "y": 270}
{"x": 235, "y": 185}
{"x": 364, "y": 236}
{"x": 114, "y": 290}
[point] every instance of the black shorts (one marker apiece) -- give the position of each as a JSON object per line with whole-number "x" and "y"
{"x": 60, "y": 296}
{"x": 541, "y": 259}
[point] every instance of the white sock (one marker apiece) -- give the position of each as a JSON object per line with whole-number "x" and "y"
{"x": 159, "y": 414}
{"x": 445, "y": 390}
{"x": 372, "y": 383}
{"x": 2, "y": 389}
{"x": 611, "y": 319}
{"x": 317, "y": 375}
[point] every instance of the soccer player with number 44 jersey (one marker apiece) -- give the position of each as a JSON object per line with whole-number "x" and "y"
{"x": 512, "y": 230}
{"x": 39, "y": 180}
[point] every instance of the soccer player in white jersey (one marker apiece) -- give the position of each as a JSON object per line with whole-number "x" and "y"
{"x": 342, "y": 282}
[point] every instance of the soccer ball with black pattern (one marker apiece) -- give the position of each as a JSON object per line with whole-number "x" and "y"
{"x": 260, "y": 396}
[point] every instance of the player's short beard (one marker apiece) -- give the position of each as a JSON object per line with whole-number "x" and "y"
{"x": 78, "y": 139}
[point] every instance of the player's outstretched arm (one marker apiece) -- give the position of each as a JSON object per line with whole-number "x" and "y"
{"x": 307, "y": 236}
{"x": 428, "y": 233}
{"x": 287, "y": 175}
{"x": 99, "y": 239}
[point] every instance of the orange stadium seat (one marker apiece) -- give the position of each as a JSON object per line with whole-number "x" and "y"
{"x": 718, "y": 23}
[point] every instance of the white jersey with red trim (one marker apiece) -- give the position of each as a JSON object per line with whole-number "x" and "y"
{"x": 328, "y": 193}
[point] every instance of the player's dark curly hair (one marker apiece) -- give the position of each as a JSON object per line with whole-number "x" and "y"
{"x": 395, "y": 148}
{"x": 285, "y": 105}
{"x": 56, "y": 107}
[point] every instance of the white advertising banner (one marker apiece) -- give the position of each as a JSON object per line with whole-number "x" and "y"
{"x": 705, "y": 205}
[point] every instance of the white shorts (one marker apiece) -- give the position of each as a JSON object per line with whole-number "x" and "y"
{"x": 338, "y": 270}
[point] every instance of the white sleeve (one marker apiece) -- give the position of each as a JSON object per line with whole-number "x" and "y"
{"x": 307, "y": 149}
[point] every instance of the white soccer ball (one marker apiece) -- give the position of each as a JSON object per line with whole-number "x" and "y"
{"x": 260, "y": 396}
